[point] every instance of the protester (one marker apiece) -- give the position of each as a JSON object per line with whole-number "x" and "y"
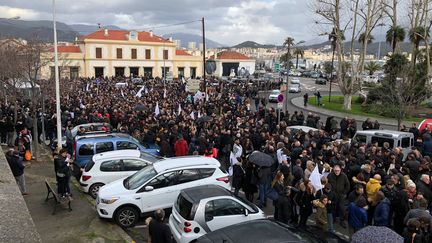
{"x": 17, "y": 167}
{"x": 159, "y": 232}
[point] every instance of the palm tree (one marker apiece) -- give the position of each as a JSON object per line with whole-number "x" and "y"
{"x": 298, "y": 52}
{"x": 372, "y": 67}
{"x": 289, "y": 42}
{"x": 362, "y": 38}
{"x": 395, "y": 35}
{"x": 416, "y": 35}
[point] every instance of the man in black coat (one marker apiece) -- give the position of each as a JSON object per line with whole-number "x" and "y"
{"x": 158, "y": 230}
{"x": 17, "y": 168}
{"x": 341, "y": 186}
{"x": 423, "y": 186}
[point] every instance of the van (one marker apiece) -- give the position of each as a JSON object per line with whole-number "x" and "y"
{"x": 88, "y": 145}
{"x": 405, "y": 140}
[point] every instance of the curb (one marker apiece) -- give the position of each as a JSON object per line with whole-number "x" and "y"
{"x": 337, "y": 114}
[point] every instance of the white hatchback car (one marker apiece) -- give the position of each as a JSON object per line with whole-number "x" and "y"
{"x": 107, "y": 167}
{"x": 202, "y": 209}
{"x": 156, "y": 186}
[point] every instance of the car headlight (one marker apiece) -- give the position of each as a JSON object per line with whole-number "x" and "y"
{"x": 109, "y": 201}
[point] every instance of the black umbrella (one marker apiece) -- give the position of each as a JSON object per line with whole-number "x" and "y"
{"x": 140, "y": 107}
{"x": 204, "y": 119}
{"x": 261, "y": 159}
{"x": 374, "y": 234}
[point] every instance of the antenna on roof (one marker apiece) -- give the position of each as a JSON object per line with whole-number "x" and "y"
{"x": 99, "y": 25}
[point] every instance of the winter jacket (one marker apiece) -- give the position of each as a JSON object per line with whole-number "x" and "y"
{"x": 381, "y": 214}
{"x": 425, "y": 190}
{"x": 427, "y": 146}
{"x": 285, "y": 208}
{"x": 16, "y": 165}
{"x": 321, "y": 214}
{"x": 372, "y": 187}
{"x": 357, "y": 217}
{"x": 340, "y": 184}
{"x": 181, "y": 147}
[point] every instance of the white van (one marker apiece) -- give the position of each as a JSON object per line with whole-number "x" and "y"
{"x": 394, "y": 138}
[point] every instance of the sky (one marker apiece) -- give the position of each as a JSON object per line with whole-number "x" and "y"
{"x": 227, "y": 21}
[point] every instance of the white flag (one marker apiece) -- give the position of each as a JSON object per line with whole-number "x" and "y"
{"x": 315, "y": 179}
{"x": 165, "y": 94}
{"x": 192, "y": 114}
{"x": 187, "y": 88}
{"x": 139, "y": 94}
{"x": 179, "y": 109}
{"x": 199, "y": 114}
{"x": 146, "y": 91}
{"x": 122, "y": 92}
{"x": 183, "y": 80}
{"x": 157, "y": 111}
{"x": 88, "y": 87}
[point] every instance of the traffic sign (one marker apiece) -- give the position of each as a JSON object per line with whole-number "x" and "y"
{"x": 280, "y": 98}
{"x": 279, "y": 105}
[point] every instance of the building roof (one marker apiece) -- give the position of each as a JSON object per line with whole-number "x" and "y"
{"x": 67, "y": 49}
{"x": 230, "y": 55}
{"x": 182, "y": 53}
{"x": 121, "y": 35}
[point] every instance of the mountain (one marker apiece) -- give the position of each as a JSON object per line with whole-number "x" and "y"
{"x": 372, "y": 49}
{"x": 85, "y": 29}
{"x": 185, "y": 38}
{"x": 252, "y": 44}
{"x": 41, "y": 30}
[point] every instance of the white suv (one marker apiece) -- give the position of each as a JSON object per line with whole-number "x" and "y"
{"x": 107, "y": 167}
{"x": 156, "y": 186}
{"x": 203, "y": 209}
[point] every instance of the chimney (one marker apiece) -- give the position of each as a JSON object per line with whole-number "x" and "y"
{"x": 76, "y": 38}
{"x": 170, "y": 39}
{"x": 106, "y": 32}
{"x": 151, "y": 33}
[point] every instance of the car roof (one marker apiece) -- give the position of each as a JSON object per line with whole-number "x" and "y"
{"x": 184, "y": 161}
{"x": 196, "y": 194}
{"x": 102, "y": 136}
{"x": 304, "y": 128}
{"x": 386, "y": 133}
{"x": 252, "y": 231}
{"x": 117, "y": 153}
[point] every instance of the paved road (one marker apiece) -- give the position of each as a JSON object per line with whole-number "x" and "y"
{"x": 308, "y": 86}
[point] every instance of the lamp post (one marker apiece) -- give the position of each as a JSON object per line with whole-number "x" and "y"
{"x": 57, "y": 83}
{"x": 332, "y": 39}
{"x": 288, "y": 70}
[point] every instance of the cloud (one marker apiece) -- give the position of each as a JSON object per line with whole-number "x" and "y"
{"x": 10, "y": 12}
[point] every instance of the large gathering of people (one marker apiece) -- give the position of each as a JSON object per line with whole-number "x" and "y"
{"x": 361, "y": 184}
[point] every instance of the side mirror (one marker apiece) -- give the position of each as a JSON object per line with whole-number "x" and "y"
{"x": 208, "y": 217}
{"x": 245, "y": 212}
{"x": 148, "y": 188}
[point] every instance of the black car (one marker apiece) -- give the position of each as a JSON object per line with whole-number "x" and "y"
{"x": 321, "y": 81}
{"x": 267, "y": 231}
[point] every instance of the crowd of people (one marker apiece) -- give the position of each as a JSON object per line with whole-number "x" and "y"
{"x": 361, "y": 184}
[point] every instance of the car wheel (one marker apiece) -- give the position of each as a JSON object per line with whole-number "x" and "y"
{"x": 127, "y": 217}
{"x": 94, "y": 189}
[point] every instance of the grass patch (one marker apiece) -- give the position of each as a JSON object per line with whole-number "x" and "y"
{"x": 92, "y": 235}
{"x": 336, "y": 104}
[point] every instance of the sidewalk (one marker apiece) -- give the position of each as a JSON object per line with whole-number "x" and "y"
{"x": 298, "y": 102}
{"x": 80, "y": 225}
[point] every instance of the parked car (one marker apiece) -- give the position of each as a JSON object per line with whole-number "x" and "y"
{"x": 199, "y": 210}
{"x": 295, "y": 81}
{"x": 266, "y": 230}
{"x": 321, "y": 81}
{"x": 156, "y": 186}
{"x": 107, "y": 167}
{"x": 274, "y": 95}
{"x": 88, "y": 145}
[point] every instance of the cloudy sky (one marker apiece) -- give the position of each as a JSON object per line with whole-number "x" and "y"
{"x": 227, "y": 21}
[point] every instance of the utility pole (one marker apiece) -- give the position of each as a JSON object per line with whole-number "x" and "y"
{"x": 57, "y": 82}
{"x": 204, "y": 56}
{"x": 287, "y": 82}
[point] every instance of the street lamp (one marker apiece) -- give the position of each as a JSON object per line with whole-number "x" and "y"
{"x": 288, "y": 70}
{"x": 332, "y": 39}
{"x": 57, "y": 83}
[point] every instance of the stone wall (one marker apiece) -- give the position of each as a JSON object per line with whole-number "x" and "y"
{"x": 16, "y": 224}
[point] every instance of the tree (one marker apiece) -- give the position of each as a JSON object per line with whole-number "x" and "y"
{"x": 362, "y": 38}
{"x": 372, "y": 67}
{"x": 298, "y": 52}
{"x": 289, "y": 42}
{"x": 394, "y": 36}
{"x": 328, "y": 68}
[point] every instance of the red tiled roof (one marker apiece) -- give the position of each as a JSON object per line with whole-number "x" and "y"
{"x": 230, "y": 55}
{"x": 121, "y": 35}
{"x": 66, "y": 49}
{"x": 182, "y": 53}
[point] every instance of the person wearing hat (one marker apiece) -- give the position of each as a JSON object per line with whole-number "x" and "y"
{"x": 17, "y": 168}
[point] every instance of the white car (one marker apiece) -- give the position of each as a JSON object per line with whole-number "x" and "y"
{"x": 294, "y": 88}
{"x": 273, "y": 97}
{"x": 202, "y": 209}
{"x": 156, "y": 186}
{"x": 107, "y": 167}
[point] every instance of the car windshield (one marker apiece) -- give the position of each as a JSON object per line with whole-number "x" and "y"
{"x": 138, "y": 179}
{"x": 150, "y": 157}
{"x": 275, "y": 92}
